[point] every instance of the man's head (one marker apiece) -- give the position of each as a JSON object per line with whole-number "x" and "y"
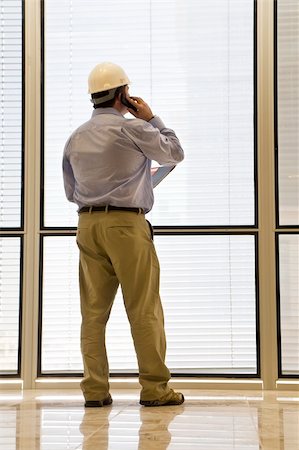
{"x": 106, "y": 82}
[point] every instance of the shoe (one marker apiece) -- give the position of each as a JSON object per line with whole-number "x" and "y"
{"x": 98, "y": 403}
{"x": 176, "y": 399}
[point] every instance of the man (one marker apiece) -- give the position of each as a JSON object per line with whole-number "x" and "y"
{"x": 107, "y": 173}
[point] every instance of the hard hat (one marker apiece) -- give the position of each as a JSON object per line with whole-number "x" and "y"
{"x": 106, "y": 76}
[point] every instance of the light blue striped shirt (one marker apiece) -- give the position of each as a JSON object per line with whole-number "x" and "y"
{"x": 107, "y": 160}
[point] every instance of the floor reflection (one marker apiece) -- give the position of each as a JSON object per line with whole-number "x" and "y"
{"x": 134, "y": 428}
{"x": 8, "y": 421}
{"x": 264, "y": 421}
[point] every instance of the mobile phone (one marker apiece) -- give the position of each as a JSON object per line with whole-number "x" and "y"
{"x": 126, "y": 103}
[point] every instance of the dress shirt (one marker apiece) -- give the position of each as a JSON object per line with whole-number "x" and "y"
{"x": 107, "y": 160}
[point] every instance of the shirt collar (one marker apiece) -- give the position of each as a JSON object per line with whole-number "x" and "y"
{"x": 106, "y": 111}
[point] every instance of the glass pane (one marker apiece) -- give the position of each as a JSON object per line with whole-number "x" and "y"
{"x": 9, "y": 304}
{"x": 193, "y": 65}
{"x": 288, "y": 110}
{"x": 289, "y": 302}
{"x": 208, "y": 294}
{"x": 10, "y": 112}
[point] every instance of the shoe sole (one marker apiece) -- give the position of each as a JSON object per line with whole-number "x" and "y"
{"x": 151, "y": 403}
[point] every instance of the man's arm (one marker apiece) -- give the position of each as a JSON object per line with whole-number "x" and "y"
{"x": 68, "y": 175}
{"x": 157, "y": 142}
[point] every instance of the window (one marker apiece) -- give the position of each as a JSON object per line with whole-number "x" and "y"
{"x": 11, "y": 114}
{"x": 287, "y": 141}
{"x": 201, "y": 80}
{"x": 10, "y": 282}
{"x": 208, "y": 293}
{"x": 11, "y": 195}
{"x": 289, "y": 305}
{"x": 288, "y": 110}
{"x": 195, "y": 62}
{"x": 196, "y": 78}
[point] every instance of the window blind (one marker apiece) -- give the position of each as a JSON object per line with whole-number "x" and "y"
{"x": 10, "y": 112}
{"x": 288, "y": 178}
{"x": 193, "y": 62}
{"x": 288, "y": 110}
{"x": 9, "y": 303}
{"x": 208, "y": 294}
{"x": 289, "y": 305}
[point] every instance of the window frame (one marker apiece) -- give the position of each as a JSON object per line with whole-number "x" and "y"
{"x": 276, "y": 126}
{"x": 13, "y": 232}
{"x": 281, "y": 374}
{"x": 266, "y": 217}
{"x": 23, "y": 82}
{"x": 17, "y": 373}
{"x": 116, "y": 374}
{"x": 46, "y": 231}
{"x": 280, "y": 229}
{"x": 45, "y": 228}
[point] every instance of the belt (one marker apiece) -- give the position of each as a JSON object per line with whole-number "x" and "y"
{"x": 109, "y": 208}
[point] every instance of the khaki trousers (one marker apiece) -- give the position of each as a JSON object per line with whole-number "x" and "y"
{"x": 116, "y": 247}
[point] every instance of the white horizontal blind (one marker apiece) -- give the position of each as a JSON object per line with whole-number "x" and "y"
{"x": 193, "y": 62}
{"x": 288, "y": 169}
{"x": 289, "y": 304}
{"x": 9, "y": 303}
{"x": 61, "y": 307}
{"x": 288, "y": 110}
{"x": 10, "y": 112}
{"x": 208, "y": 293}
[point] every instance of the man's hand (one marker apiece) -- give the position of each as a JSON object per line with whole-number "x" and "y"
{"x": 143, "y": 110}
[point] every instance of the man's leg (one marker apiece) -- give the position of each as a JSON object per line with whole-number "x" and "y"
{"x": 136, "y": 265}
{"x": 98, "y": 286}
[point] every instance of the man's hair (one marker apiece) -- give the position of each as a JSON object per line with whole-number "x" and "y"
{"x": 108, "y": 103}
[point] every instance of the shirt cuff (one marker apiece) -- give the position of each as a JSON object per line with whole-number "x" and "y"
{"x": 157, "y": 123}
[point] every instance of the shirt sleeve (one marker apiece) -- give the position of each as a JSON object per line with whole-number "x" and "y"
{"x": 68, "y": 175}
{"x": 155, "y": 141}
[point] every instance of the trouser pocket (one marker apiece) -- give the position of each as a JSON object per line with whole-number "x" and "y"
{"x": 151, "y": 229}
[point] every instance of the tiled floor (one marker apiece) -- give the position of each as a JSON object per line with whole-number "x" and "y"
{"x": 214, "y": 420}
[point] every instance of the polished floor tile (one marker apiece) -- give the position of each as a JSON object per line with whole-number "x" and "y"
{"x": 208, "y": 420}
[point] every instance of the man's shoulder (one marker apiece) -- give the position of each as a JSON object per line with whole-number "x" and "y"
{"x": 75, "y": 134}
{"x": 82, "y": 128}
{"x": 136, "y": 124}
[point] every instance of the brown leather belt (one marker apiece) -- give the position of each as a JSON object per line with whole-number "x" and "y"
{"x": 109, "y": 208}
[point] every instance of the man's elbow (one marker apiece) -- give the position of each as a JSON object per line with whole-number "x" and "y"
{"x": 70, "y": 197}
{"x": 180, "y": 156}
{"x": 69, "y": 193}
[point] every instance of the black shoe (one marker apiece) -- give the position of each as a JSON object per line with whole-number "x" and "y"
{"x": 98, "y": 403}
{"x": 176, "y": 399}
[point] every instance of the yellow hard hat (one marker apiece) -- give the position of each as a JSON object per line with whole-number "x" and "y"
{"x": 106, "y": 76}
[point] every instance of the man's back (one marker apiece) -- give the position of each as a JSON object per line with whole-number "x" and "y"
{"x": 110, "y": 159}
